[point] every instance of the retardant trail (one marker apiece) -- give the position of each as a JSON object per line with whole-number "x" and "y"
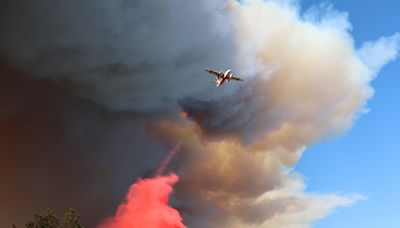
{"x": 167, "y": 159}
{"x": 146, "y": 204}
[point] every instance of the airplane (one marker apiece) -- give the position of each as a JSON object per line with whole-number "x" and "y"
{"x": 222, "y": 76}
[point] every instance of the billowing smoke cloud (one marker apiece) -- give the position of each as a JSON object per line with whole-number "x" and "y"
{"x": 141, "y": 61}
{"x": 238, "y": 186}
{"x": 59, "y": 151}
{"x": 316, "y": 85}
{"x": 147, "y": 205}
{"x": 126, "y": 54}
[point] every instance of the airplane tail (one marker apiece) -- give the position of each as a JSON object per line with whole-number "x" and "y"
{"x": 217, "y": 82}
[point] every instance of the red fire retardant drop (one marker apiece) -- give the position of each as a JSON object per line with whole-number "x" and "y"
{"x": 147, "y": 206}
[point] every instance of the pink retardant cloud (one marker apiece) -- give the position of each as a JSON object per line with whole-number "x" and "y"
{"x": 146, "y": 206}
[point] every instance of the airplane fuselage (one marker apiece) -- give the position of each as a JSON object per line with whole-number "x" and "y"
{"x": 226, "y": 76}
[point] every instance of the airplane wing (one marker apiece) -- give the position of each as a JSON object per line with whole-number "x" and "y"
{"x": 236, "y": 78}
{"x": 216, "y": 73}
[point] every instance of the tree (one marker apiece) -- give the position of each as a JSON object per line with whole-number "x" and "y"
{"x": 71, "y": 219}
{"x": 48, "y": 219}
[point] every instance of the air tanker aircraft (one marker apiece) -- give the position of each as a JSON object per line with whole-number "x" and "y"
{"x": 223, "y": 76}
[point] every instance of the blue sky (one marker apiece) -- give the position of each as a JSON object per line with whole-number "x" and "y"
{"x": 365, "y": 159}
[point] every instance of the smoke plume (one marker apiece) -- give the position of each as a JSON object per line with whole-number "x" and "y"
{"x": 95, "y": 89}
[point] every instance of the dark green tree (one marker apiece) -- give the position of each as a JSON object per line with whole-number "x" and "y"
{"x": 71, "y": 219}
{"x": 48, "y": 219}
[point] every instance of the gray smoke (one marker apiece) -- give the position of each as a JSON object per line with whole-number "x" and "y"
{"x": 125, "y": 55}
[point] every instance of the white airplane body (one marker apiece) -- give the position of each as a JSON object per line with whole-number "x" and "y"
{"x": 223, "y": 76}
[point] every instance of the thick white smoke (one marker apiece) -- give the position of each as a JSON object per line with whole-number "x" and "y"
{"x": 304, "y": 81}
{"x": 310, "y": 82}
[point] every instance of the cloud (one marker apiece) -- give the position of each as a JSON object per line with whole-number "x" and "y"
{"x": 59, "y": 151}
{"x": 226, "y": 184}
{"x": 125, "y": 55}
{"x": 316, "y": 85}
{"x": 378, "y": 53}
